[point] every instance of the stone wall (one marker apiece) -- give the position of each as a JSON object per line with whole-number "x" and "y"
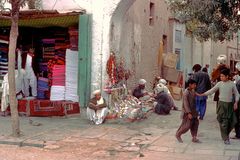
{"x": 137, "y": 42}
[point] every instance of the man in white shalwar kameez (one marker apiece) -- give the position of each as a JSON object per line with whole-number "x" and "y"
{"x": 30, "y": 79}
{"x": 19, "y": 85}
{"x": 97, "y": 109}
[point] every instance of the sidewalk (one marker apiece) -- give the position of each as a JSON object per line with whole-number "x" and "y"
{"x": 72, "y": 137}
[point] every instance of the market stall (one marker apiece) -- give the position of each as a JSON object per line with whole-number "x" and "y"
{"x": 54, "y": 38}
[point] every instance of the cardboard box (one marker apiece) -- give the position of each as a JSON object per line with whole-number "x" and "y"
{"x": 176, "y": 92}
{"x": 171, "y": 74}
{"x": 170, "y": 60}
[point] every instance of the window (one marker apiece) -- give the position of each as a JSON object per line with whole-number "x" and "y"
{"x": 178, "y": 52}
{"x": 164, "y": 39}
{"x": 151, "y": 15}
{"x": 178, "y": 36}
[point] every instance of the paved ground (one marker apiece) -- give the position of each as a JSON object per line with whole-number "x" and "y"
{"x": 73, "y": 138}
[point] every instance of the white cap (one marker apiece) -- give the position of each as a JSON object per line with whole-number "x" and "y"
{"x": 142, "y": 81}
{"x": 222, "y": 59}
{"x": 237, "y": 66}
{"x": 159, "y": 88}
{"x": 163, "y": 81}
{"x": 96, "y": 92}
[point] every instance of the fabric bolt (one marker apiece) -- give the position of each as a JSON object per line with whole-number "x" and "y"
{"x": 57, "y": 93}
{"x": 42, "y": 87}
{"x": 72, "y": 75}
{"x": 58, "y": 75}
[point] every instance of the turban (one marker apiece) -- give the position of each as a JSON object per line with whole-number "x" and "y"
{"x": 142, "y": 81}
{"x": 163, "y": 81}
{"x": 96, "y": 92}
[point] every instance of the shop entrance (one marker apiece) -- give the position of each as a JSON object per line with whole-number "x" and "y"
{"x": 57, "y": 59}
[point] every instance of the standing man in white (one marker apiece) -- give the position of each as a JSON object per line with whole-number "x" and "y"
{"x": 30, "y": 79}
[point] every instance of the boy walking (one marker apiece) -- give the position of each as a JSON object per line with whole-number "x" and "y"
{"x": 225, "y": 108}
{"x": 189, "y": 113}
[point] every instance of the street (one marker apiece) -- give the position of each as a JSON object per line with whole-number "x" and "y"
{"x": 73, "y": 138}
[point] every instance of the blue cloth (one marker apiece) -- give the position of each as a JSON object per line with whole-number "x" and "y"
{"x": 201, "y": 105}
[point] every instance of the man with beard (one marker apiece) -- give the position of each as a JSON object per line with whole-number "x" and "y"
{"x": 139, "y": 92}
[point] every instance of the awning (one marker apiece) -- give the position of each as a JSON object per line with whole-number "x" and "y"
{"x": 45, "y": 20}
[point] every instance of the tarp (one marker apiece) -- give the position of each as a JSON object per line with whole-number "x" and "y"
{"x": 55, "y": 21}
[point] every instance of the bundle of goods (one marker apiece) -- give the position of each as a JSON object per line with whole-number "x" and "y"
{"x": 58, "y": 75}
{"x": 3, "y": 58}
{"x": 129, "y": 108}
{"x": 42, "y": 88}
{"x": 43, "y": 67}
{"x": 48, "y": 49}
{"x": 71, "y": 75}
{"x": 73, "y": 35}
{"x": 58, "y": 83}
{"x": 57, "y": 93}
{"x": 3, "y": 66}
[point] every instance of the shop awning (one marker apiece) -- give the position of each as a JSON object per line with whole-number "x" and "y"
{"x": 45, "y": 19}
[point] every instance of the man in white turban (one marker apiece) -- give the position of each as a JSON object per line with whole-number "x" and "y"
{"x": 164, "y": 101}
{"x": 161, "y": 87}
{"x": 140, "y": 92}
{"x": 97, "y": 109}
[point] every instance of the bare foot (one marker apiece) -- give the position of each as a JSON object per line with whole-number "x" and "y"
{"x": 179, "y": 139}
{"x": 195, "y": 140}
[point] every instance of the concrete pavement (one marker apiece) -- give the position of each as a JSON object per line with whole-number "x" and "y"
{"x": 73, "y": 137}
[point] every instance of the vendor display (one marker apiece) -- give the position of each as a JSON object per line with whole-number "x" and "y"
{"x": 121, "y": 104}
{"x": 127, "y": 107}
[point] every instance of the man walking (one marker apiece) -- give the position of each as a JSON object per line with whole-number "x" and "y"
{"x": 203, "y": 84}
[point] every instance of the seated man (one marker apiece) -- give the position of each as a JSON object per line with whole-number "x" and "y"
{"x": 97, "y": 109}
{"x": 163, "y": 83}
{"x": 140, "y": 92}
{"x": 163, "y": 102}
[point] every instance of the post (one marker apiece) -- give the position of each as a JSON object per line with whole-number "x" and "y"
{"x": 237, "y": 40}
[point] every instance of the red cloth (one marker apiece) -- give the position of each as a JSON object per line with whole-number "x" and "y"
{"x": 58, "y": 75}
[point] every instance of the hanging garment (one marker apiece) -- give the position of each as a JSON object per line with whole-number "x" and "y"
{"x": 30, "y": 79}
{"x": 5, "y": 94}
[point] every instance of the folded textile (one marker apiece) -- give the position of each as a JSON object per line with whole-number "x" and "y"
{"x": 71, "y": 75}
{"x": 57, "y": 93}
